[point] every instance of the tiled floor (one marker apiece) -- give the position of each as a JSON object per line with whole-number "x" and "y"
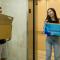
{"x": 42, "y": 55}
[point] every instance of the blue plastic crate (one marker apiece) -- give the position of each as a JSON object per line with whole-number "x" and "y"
{"x": 52, "y": 29}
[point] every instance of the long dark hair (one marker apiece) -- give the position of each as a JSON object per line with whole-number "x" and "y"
{"x": 55, "y": 15}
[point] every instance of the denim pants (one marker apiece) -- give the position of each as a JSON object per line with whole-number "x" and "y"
{"x": 53, "y": 41}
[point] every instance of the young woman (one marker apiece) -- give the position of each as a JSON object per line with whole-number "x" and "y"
{"x": 52, "y": 41}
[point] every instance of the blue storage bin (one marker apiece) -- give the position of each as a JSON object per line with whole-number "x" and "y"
{"x": 52, "y": 29}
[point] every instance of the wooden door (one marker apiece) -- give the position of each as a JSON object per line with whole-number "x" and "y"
{"x": 42, "y": 7}
{"x": 30, "y": 30}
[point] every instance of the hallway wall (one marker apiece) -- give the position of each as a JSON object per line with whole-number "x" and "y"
{"x": 17, "y": 47}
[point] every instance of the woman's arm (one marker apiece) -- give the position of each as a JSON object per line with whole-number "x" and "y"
{"x": 46, "y": 21}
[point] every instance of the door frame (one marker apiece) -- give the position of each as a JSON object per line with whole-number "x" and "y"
{"x": 32, "y": 49}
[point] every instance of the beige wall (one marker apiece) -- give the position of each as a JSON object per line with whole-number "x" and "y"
{"x": 41, "y": 17}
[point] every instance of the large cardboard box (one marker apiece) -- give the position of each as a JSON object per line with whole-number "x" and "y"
{"x": 5, "y": 27}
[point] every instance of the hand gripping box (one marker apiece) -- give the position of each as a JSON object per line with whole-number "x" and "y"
{"x": 5, "y": 27}
{"x": 52, "y": 29}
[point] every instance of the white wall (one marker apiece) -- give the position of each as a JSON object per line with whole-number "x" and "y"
{"x": 17, "y": 47}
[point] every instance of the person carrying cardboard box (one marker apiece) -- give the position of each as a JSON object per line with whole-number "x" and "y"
{"x": 5, "y": 33}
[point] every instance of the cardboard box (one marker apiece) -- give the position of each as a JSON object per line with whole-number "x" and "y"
{"x": 5, "y": 27}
